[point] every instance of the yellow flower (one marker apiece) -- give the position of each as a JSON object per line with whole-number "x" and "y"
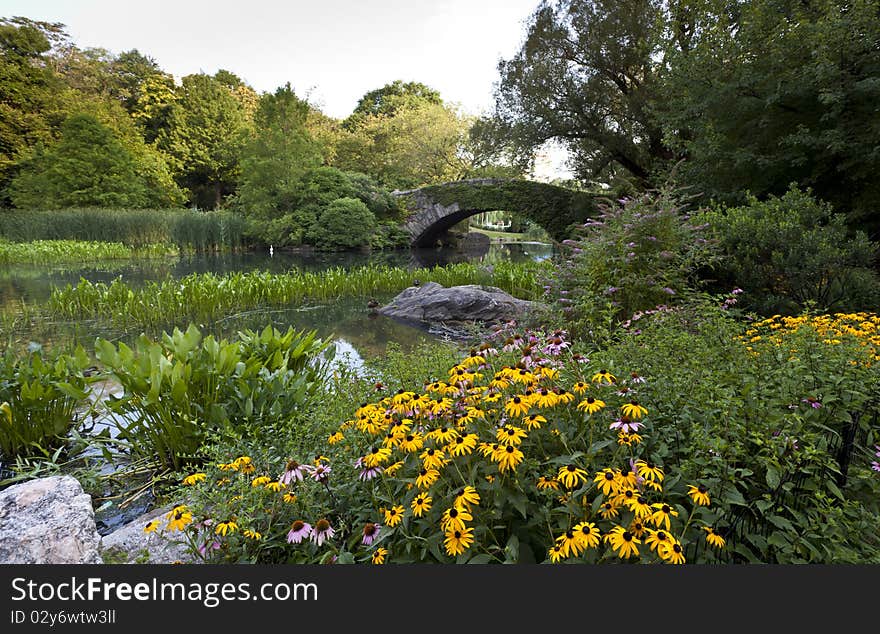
{"x": 545, "y": 483}
{"x": 649, "y": 471}
{"x": 591, "y": 405}
{"x": 533, "y": 421}
{"x": 457, "y": 541}
{"x": 229, "y": 526}
{"x": 467, "y": 497}
{"x": 672, "y": 552}
{"x": 699, "y": 494}
{"x": 510, "y": 435}
{"x": 639, "y": 506}
{"x": 608, "y": 510}
{"x": 588, "y": 534}
{"x": 193, "y": 478}
{"x": 571, "y": 476}
{"x": 660, "y": 516}
{"x": 252, "y": 535}
{"x": 412, "y": 442}
{"x": 433, "y": 458}
{"x": 570, "y": 544}
{"x": 392, "y": 469}
{"x": 607, "y": 481}
{"x": 178, "y": 518}
{"x": 379, "y": 555}
{"x": 151, "y": 526}
{"x": 260, "y": 481}
{"x": 603, "y": 376}
{"x": 623, "y": 542}
{"x": 454, "y": 519}
{"x": 427, "y": 477}
{"x": 376, "y": 456}
{"x": 713, "y": 538}
{"x": 517, "y": 406}
{"x": 556, "y": 553}
{"x": 633, "y": 410}
{"x": 580, "y": 387}
{"x": 462, "y": 445}
{"x": 545, "y": 398}
{"x": 335, "y": 438}
{"x": 421, "y": 504}
{"x": 658, "y": 538}
{"x": 394, "y": 515}
{"x": 507, "y": 457}
{"x": 275, "y": 486}
{"x": 290, "y": 498}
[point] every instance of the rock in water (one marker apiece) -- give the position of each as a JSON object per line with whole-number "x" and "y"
{"x": 432, "y": 303}
{"x": 48, "y": 521}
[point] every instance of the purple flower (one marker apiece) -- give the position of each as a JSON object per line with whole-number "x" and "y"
{"x": 668, "y": 290}
{"x": 299, "y": 530}
{"x": 322, "y": 532}
{"x": 371, "y": 533}
{"x": 875, "y": 465}
{"x": 213, "y": 545}
{"x": 292, "y": 472}
{"x": 631, "y": 244}
{"x": 625, "y": 424}
{"x": 321, "y": 473}
{"x": 812, "y": 402}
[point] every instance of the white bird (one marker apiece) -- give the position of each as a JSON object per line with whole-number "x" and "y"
{"x": 271, "y": 250}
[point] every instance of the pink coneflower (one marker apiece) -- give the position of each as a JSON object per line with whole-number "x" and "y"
{"x": 556, "y": 345}
{"x": 213, "y": 545}
{"x": 371, "y": 533}
{"x": 323, "y": 531}
{"x": 634, "y": 377}
{"x": 367, "y": 473}
{"x": 812, "y": 401}
{"x": 292, "y": 472}
{"x": 299, "y": 530}
{"x": 320, "y": 473}
{"x": 624, "y": 423}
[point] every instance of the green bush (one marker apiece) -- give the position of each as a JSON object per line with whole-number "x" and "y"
{"x": 179, "y": 390}
{"x": 639, "y": 253}
{"x": 346, "y": 223}
{"x": 40, "y": 400}
{"x": 792, "y": 251}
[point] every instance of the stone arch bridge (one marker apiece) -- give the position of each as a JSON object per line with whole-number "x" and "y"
{"x": 432, "y": 210}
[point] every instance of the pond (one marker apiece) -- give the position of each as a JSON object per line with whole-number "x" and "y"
{"x": 357, "y": 331}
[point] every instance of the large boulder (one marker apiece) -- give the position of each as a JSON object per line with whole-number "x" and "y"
{"x": 48, "y": 521}
{"x": 130, "y": 544}
{"x": 432, "y": 303}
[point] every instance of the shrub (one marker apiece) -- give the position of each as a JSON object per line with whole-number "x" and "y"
{"x": 639, "y": 253}
{"x": 792, "y": 251}
{"x": 344, "y": 224}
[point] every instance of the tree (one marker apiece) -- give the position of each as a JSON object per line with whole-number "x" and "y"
{"x": 390, "y": 98}
{"x": 280, "y": 149}
{"x": 89, "y": 167}
{"x": 28, "y": 88}
{"x": 781, "y": 91}
{"x": 586, "y": 76}
{"x": 346, "y": 223}
{"x": 207, "y": 127}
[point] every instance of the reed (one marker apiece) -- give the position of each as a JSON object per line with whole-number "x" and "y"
{"x": 70, "y": 251}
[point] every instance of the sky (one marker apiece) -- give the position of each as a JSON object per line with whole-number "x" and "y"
{"x": 331, "y": 51}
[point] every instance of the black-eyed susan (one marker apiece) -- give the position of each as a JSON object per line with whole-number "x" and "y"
{"x": 487, "y": 449}
{"x": 289, "y": 498}
{"x": 467, "y": 497}
{"x": 336, "y": 437}
{"x": 628, "y": 438}
{"x": 661, "y": 515}
{"x": 571, "y": 476}
{"x": 442, "y": 435}
{"x": 427, "y": 477}
{"x": 640, "y": 506}
{"x": 379, "y": 556}
{"x": 628, "y": 478}
{"x": 563, "y": 396}
{"x": 507, "y": 457}
{"x": 412, "y": 442}
{"x": 603, "y": 377}
{"x": 608, "y": 510}
{"x": 455, "y": 518}
{"x": 713, "y": 538}
{"x": 228, "y": 526}
{"x": 458, "y": 541}
{"x": 637, "y": 528}
{"x": 517, "y": 406}
{"x": 178, "y": 518}
{"x": 260, "y": 481}
{"x": 421, "y": 504}
{"x": 623, "y": 542}
{"x": 699, "y": 494}
{"x": 392, "y": 469}
{"x": 672, "y": 553}
{"x": 433, "y": 458}
{"x": 607, "y": 481}
{"x": 275, "y": 486}
{"x": 588, "y": 534}
{"x": 556, "y": 553}
{"x": 633, "y": 410}
{"x": 658, "y": 538}
{"x": 591, "y": 405}
{"x": 252, "y": 534}
{"x": 649, "y": 471}
{"x": 510, "y": 435}
{"x": 462, "y": 445}
{"x": 545, "y": 483}
{"x": 545, "y": 398}
{"x": 152, "y": 526}
{"x": 533, "y": 421}
{"x": 394, "y": 515}
{"x": 570, "y": 543}
{"x": 377, "y": 456}
{"x": 194, "y": 478}
{"x": 580, "y": 387}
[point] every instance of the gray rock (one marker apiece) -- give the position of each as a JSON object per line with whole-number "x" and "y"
{"x": 131, "y": 545}
{"x": 48, "y": 521}
{"x": 432, "y": 303}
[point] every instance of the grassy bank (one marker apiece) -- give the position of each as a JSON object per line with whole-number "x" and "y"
{"x": 67, "y": 251}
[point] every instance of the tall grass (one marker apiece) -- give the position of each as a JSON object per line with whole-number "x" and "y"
{"x": 207, "y": 297}
{"x": 136, "y": 228}
{"x": 65, "y": 251}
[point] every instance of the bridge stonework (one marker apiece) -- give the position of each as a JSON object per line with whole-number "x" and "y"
{"x": 434, "y": 209}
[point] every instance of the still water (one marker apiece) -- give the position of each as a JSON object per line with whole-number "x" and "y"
{"x": 357, "y": 331}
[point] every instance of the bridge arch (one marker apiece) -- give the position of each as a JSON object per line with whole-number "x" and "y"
{"x": 432, "y": 210}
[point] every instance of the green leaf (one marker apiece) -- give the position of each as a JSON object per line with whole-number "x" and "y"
{"x": 772, "y": 477}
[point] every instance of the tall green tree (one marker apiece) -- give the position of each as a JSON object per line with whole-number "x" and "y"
{"x": 586, "y": 76}
{"x": 390, "y": 98}
{"x": 207, "y": 128}
{"x": 90, "y": 166}
{"x": 779, "y": 91}
{"x": 280, "y": 149}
